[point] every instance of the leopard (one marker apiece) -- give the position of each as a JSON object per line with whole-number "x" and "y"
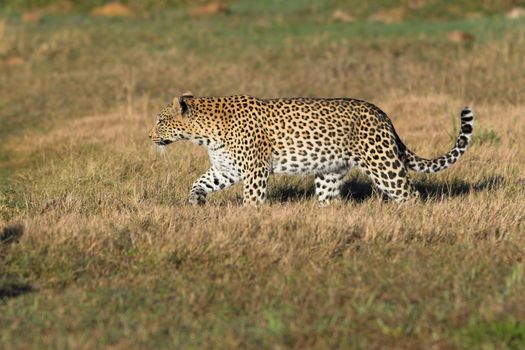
{"x": 249, "y": 138}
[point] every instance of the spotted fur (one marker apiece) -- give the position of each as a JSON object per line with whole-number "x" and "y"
{"x": 249, "y": 138}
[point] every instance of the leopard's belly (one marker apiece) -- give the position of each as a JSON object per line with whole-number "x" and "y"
{"x": 307, "y": 162}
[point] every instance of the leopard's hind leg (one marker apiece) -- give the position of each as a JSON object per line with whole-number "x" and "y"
{"x": 395, "y": 183}
{"x": 382, "y": 163}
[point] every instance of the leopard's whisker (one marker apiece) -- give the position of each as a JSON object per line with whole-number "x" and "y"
{"x": 165, "y": 154}
{"x": 158, "y": 151}
{"x": 161, "y": 151}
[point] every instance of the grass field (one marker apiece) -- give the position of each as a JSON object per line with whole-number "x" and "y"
{"x": 97, "y": 246}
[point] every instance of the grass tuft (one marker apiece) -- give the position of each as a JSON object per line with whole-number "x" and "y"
{"x": 486, "y": 136}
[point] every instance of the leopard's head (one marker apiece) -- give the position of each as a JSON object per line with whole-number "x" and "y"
{"x": 172, "y": 122}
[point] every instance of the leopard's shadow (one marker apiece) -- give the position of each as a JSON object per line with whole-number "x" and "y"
{"x": 10, "y": 287}
{"x": 358, "y": 190}
{"x": 14, "y": 289}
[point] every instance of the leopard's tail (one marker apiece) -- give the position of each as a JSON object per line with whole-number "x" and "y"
{"x": 422, "y": 165}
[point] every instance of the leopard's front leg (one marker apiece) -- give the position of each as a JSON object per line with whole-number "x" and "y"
{"x": 255, "y": 182}
{"x": 212, "y": 180}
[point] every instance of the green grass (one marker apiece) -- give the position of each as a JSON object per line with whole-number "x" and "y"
{"x": 194, "y": 303}
{"x": 507, "y": 333}
{"x": 430, "y": 9}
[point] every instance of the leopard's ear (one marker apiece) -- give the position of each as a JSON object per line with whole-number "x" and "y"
{"x": 176, "y": 104}
{"x": 183, "y": 102}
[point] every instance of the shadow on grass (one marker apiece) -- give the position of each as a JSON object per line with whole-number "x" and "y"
{"x": 360, "y": 190}
{"x": 458, "y": 188}
{"x": 9, "y": 288}
{"x": 11, "y": 233}
{"x": 290, "y": 193}
{"x": 14, "y": 289}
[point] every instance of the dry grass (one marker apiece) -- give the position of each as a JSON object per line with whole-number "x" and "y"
{"x": 99, "y": 173}
{"x": 111, "y": 255}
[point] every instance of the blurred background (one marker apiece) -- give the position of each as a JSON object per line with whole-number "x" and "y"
{"x": 85, "y": 54}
